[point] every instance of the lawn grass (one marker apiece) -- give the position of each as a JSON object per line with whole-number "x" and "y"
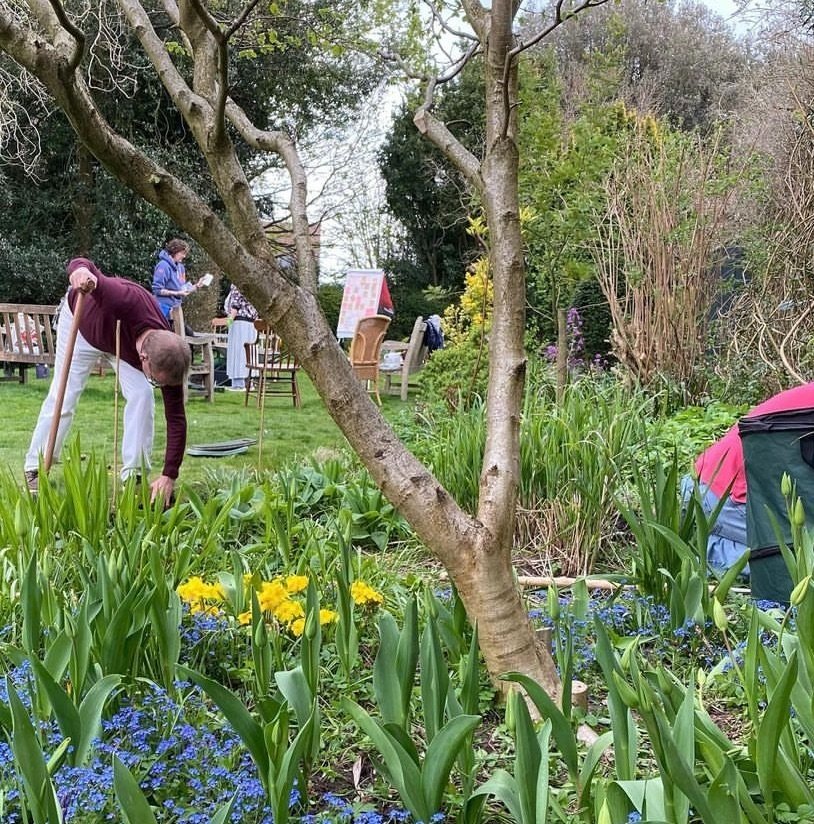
{"x": 289, "y": 433}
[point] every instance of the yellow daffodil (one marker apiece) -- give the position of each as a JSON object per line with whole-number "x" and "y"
{"x": 196, "y": 592}
{"x": 364, "y": 594}
{"x": 327, "y": 616}
{"x": 271, "y": 595}
{"x": 288, "y": 611}
{"x": 296, "y": 583}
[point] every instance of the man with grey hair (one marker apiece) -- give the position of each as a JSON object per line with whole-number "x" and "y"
{"x": 150, "y": 356}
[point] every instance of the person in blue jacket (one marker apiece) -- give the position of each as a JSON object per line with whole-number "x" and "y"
{"x": 170, "y": 284}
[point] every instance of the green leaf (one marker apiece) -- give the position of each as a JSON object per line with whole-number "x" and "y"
{"x": 723, "y": 793}
{"x": 730, "y": 576}
{"x": 90, "y": 715}
{"x": 221, "y": 815}
{"x": 470, "y": 677}
{"x": 386, "y": 683}
{"x": 28, "y": 755}
{"x": 58, "y": 655}
{"x": 623, "y": 727}
{"x": 681, "y": 774}
{"x": 503, "y": 787}
{"x": 407, "y": 655}
{"x": 589, "y": 764}
{"x": 434, "y": 681}
{"x": 560, "y": 726}
{"x": 31, "y": 600}
{"x": 404, "y": 772}
{"x": 131, "y": 799}
{"x": 527, "y": 757}
{"x": 774, "y": 721}
{"x": 287, "y": 770}
{"x": 441, "y": 755}
{"x": 295, "y": 690}
{"x": 543, "y": 783}
{"x": 646, "y": 796}
{"x": 236, "y": 714}
{"x": 67, "y": 716}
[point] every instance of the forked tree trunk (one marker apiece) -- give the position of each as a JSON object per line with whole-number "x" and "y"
{"x": 489, "y": 591}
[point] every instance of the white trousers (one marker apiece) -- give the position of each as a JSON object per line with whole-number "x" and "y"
{"x": 139, "y": 401}
{"x": 240, "y": 333}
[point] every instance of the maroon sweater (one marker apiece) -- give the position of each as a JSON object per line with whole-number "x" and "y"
{"x": 116, "y": 299}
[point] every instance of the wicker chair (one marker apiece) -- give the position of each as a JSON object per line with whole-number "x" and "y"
{"x": 365, "y": 350}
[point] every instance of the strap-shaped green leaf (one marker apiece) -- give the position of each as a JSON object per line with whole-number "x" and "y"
{"x": 441, "y": 755}
{"x": 39, "y": 790}
{"x": 404, "y": 772}
{"x": 560, "y": 726}
{"x": 131, "y": 799}
{"x": 90, "y": 715}
{"x": 237, "y": 715}
{"x": 774, "y": 721}
{"x": 503, "y": 787}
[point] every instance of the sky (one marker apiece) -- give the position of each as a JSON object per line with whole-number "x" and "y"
{"x": 723, "y": 7}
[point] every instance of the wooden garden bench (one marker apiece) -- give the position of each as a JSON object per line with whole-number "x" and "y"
{"x": 414, "y": 356}
{"x": 27, "y": 337}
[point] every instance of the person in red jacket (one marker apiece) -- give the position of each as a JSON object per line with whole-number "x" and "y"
{"x": 720, "y": 471}
{"x": 150, "y": 356}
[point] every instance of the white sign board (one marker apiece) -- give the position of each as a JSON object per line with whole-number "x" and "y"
{"x": 360, "y": 299}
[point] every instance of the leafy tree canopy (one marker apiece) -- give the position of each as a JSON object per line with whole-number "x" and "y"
{"x": 676, "y": 59}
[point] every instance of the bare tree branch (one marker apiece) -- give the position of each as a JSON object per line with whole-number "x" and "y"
{"x": 280, "y": 143}
{"x": 76, "y": 33}
{"x": 450, "y": 146}
{"x": 444, "y": 24}
{"x": 478, "y": 17}
{"x": 172, "y": 80}
{"x": 241, "y": 18}
{"x": 556, "y": 22}
{"x": 222, "y": 83}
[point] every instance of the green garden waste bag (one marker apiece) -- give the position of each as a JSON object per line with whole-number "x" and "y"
{"x": 775, "y": 443}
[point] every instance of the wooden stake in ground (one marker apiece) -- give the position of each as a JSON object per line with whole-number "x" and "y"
{"x": 116, "y": 413}
{"x": 267, "y": 342}
{"x": 63, "y": 382}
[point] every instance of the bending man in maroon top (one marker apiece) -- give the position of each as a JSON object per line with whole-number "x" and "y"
{"x": 150, "y": 355}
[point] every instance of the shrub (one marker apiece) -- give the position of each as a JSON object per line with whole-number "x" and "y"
{"x": 458, "y": 374}
{"x": 330, "y": 300}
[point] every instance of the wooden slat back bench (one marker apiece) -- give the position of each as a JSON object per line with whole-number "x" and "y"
{"x": 27, "y": 337}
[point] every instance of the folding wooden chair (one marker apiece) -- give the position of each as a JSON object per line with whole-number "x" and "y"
{"x": 203, "y": 360}
{"x": 414, "y": 356}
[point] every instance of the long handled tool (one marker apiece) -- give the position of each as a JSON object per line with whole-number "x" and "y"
{"x": 63, "y": 382}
